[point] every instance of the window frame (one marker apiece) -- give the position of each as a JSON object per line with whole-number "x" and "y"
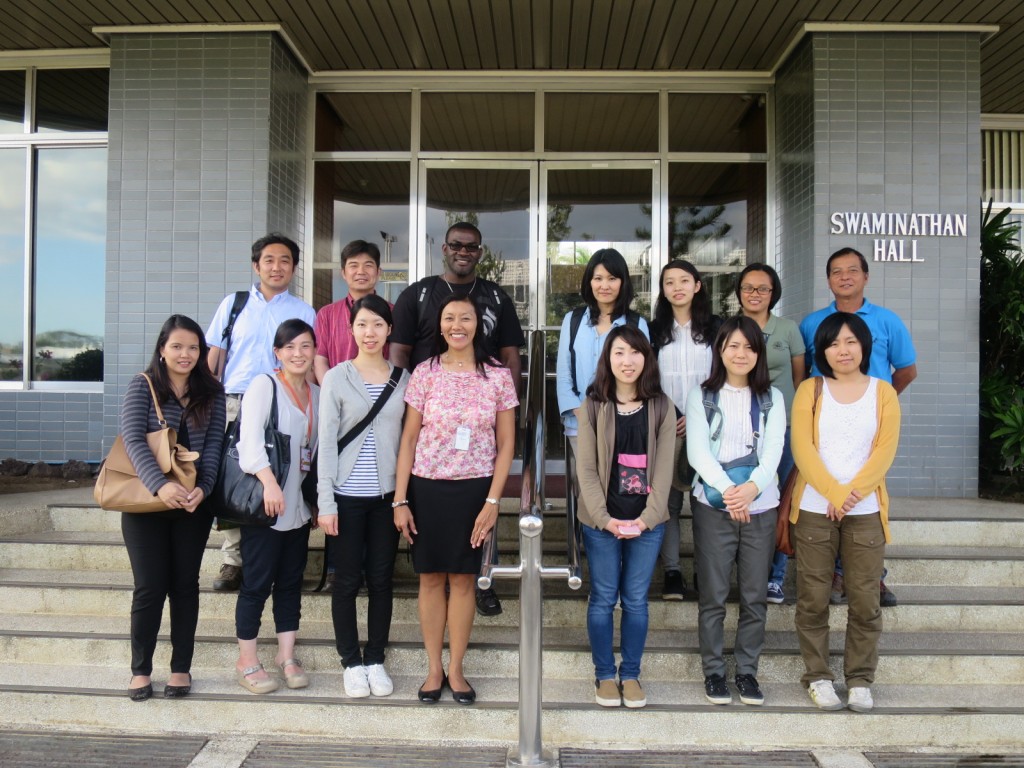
{"x": 31, "y": 141}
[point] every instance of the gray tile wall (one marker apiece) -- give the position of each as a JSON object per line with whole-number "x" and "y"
{"x": 794, "y": 188}
{"x": 207, "y": 148}
{"x": 895, "y": 128}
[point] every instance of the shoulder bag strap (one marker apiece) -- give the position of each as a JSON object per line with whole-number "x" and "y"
{"x": 156, "y": 401}
{"x": 273, "y": 404}
{"x": 392, "y": 384}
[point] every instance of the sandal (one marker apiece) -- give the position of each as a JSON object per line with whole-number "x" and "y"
{"x": 297, "y": 679}
{"x": 269, "y": 685}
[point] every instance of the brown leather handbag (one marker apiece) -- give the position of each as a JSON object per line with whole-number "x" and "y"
{"x": 118, "y": 486}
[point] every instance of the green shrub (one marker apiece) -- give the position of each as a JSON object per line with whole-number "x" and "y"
{"x": 1002, "y": 345}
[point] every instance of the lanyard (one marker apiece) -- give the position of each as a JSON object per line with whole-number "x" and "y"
{"x": 295, "y": 399}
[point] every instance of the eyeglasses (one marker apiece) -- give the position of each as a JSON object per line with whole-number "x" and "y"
{"x": 761, "y": 290}
{"x": 467, "y": 247}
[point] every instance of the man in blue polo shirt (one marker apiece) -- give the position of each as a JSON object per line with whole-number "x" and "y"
{"x": 893, "y": 358}
{"x": 239, "y": 356}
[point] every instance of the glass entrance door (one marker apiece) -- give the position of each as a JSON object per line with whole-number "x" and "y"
{"x": 541, "y": 222}
{"x": 587, "y": 206}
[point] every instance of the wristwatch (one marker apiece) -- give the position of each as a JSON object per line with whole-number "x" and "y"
{"x": 489, "y": 500}
{"x": 397, "y": 504}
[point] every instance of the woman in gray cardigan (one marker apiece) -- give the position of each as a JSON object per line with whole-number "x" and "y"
{"x": 356, "y": 489}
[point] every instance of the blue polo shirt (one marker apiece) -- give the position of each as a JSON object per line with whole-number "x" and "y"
{"x": 891, "y": 345}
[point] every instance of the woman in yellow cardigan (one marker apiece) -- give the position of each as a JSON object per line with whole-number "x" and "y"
{"x": 845, "y": 429}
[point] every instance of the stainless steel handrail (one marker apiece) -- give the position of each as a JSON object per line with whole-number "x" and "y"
{"x": 531, "y": 570}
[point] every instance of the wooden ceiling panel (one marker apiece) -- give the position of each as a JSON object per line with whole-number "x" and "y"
{"x": 439, "y": 35}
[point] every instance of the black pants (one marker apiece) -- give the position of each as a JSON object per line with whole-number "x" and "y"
{"x": 274, "y": 563}
{"x": 165, "y": 551}
{"x": 367, "y": 542}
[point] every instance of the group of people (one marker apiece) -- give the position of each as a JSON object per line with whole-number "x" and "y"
{"x": 724, "y": 409}
{"x": 409, "y": 413}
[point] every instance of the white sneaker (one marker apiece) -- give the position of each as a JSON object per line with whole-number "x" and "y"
{"x": 823, "y": 694}
{"x": 860, "y": 699}
{"x": 356, "y": 684}
{"x": 380, "y": 682}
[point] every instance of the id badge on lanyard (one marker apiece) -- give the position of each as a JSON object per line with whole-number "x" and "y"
{"x": 462, "y": 438}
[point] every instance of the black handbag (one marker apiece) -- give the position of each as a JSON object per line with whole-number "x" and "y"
{"x": 309, "y": 482}
{"x": 238, "y": 496}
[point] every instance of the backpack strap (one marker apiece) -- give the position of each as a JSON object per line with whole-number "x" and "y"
{"x": 241, "y": 297}
{"x": 574, "y": 328}
{"x": 710, "y": 409}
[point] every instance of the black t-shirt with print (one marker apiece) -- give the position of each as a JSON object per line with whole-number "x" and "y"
{"x": 627, "y": 486}
{"x": 415, "y": 321}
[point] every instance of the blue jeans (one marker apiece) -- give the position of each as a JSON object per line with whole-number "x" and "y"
{"x": 779, "y": 562}
{"x": 619, "y": 568}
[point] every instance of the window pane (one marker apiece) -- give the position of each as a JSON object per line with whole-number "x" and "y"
{"x": 12, "y": 264}
{"x": 601, "y": 122}
{"x": 717, "y": 221}
{"x": 477, "y": 122}
{"x": 12, "y": 102}
{"x": 716, "y": 122}
{"x": 71, "y": 100}
{"x": 360, "y": 201}
{"x": 70, "y": 243}
{"x": 363, "y": 122}
{"x": 1002, "y": 165}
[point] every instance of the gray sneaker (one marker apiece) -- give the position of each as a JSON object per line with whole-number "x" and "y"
{"x": 229, "y": 579}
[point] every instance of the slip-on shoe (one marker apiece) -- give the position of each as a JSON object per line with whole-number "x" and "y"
{"x": 178, "y": 691}
{"x": 434, "y": 696}
{"x": 464, "y": 697}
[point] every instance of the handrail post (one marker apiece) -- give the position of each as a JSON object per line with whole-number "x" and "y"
{"x": 531, "y": 660}
{"x": 531, "y": 571}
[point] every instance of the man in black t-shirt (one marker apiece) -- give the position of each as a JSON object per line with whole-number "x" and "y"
{"x": 415, "y": 324}
{"x": 415, "y": 312}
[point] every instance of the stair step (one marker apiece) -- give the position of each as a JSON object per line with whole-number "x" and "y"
{"x": 910, "y": 715}
{"x": 921, "y": 608}
{"x": 979, "y": 531}
{"x": 670, "y": 655}
{"x": 105, "y": 551}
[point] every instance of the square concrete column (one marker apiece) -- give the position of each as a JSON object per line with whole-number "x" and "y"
{"x": 889, "y": 123}
{"x": 207, "y": 153}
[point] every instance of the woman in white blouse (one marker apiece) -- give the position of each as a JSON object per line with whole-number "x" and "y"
{"x": 735, "y": 425}
{"x": 275, "y": 557}
{"x": 681, "y": 333}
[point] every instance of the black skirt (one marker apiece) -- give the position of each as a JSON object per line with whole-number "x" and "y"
{"x": 444, "y": 512}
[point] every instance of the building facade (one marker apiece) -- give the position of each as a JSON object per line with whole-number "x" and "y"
{"x": 146, "y": 157}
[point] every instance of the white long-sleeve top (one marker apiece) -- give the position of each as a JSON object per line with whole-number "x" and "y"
{"x": 252, "y": 454}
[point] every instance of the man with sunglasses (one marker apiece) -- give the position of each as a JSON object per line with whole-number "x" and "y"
{"x": 415, "y": 321}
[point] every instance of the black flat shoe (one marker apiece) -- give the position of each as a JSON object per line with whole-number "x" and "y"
{"x": 141, "y": 694}
{"x": 464, "y": 697}
{"x": 178, "y": 691}
{"x": 432, "y": 697}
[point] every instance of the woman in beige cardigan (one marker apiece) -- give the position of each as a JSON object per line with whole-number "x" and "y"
{"x": 626, "y": 450}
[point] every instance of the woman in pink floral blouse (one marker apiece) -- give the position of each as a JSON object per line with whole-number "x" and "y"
{"x": 453, "y": 461}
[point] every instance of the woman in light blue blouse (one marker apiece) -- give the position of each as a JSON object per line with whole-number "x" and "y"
{"x": 607, "y": 293}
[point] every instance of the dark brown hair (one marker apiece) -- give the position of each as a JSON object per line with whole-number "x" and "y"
{"x": 758, "y": 379}
{"x": 648, "y": 386}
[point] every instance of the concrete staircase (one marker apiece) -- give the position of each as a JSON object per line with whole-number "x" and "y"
{"x": 950, "y": 674}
